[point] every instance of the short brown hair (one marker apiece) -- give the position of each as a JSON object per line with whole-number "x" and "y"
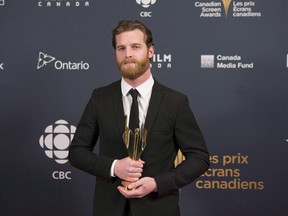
{"x": 127, "y": 25}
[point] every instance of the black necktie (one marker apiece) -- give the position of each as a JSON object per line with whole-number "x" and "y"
{"x": 134, "y": 113}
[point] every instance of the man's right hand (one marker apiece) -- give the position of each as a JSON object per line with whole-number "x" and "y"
{"x": 128, "y": 169}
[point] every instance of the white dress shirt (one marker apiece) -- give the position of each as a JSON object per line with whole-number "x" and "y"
{"x": 145, "y": 91}
{"x": 143, "y": 98}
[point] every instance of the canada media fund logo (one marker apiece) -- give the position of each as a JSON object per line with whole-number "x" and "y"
{"x": 225, "y": 62}
{"x": 55, "y": 142}
{"x": 237, "y": 9}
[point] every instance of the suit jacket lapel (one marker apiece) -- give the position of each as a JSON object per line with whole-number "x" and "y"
{"x": 118, "y": 107}
{"x": 155, "y": 101}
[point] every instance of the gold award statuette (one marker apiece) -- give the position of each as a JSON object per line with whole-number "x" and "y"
{"x": 135, "y": 143}
{"x": 226, "y": 4}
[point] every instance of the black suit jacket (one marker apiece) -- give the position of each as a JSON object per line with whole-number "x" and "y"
{"x": 171, "y": 126}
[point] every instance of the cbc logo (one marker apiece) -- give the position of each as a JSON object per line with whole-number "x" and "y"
{"x": 60, "y": 175}
{"x": 56, "y": 140}
{"x": 146, "y": 3}
{"x": 146, "y": 14}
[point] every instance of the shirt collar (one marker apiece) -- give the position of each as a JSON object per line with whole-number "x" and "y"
{"x": 143, "y": 89}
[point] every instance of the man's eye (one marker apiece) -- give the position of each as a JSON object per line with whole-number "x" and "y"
{"x": 136, "y": 47}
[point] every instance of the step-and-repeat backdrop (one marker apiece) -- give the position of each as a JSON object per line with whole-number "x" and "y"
{"x": 229, "y": 56}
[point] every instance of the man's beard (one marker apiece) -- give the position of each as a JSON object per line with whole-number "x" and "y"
{"x": 132, "y": 72}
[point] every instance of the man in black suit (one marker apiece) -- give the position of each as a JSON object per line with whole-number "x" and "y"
{"x": 170, "y": 124}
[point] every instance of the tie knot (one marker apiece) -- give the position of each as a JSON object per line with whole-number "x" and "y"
{"x": 133, "y": 93}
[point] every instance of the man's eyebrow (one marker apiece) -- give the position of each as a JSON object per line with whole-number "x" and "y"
{"x": 132, "y": 44}
{"x": 120, "y": 46}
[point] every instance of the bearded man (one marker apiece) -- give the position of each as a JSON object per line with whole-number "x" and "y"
{"x": 170, "y": 124}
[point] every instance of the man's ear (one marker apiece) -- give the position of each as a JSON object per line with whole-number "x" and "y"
{"x": 151, "y": 51}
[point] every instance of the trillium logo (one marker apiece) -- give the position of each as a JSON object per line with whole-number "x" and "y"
{"x": 146, "y": 3}
{"x": 44, "y": 59}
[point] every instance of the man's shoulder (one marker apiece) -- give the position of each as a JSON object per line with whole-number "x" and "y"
{"x": 168, "y": 90}
{"x": 107, "y": 89}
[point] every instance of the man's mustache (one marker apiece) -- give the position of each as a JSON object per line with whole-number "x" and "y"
{"x": 127, "y": 61}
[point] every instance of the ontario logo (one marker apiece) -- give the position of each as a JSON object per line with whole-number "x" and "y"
{"x": 2, "y": 2}
{"x": 45, "y": 59}
{"x": 56, "y": 140}
{"x": 213, "y": 9}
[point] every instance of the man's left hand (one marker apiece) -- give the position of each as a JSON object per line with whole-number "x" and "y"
{"x": 139, "y": 189}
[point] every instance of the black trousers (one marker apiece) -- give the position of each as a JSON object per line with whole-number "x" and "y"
{"x": 127, "y": 210}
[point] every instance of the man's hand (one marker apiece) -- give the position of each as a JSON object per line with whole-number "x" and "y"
{"x": 140, "y": 188}
{"x": 128, "y": 169}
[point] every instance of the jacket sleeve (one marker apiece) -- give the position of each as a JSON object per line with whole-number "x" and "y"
{"x": 81, "y": 153}
{"x": 189, "y": 139}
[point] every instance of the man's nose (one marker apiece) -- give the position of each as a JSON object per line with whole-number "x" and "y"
{"x": 128, "y": 52}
